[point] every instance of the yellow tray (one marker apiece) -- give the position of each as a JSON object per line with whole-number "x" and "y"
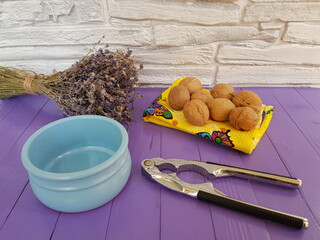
{"x": 159, "y": 112}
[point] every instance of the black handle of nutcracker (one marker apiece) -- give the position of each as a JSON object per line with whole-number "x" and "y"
{"x": 255, "y": 210}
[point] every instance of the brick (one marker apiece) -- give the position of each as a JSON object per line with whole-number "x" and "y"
{"x": 40, "y": 66}
{"x": 177, "y": 56}
{"x": 269, "y": 75}
{"x": 52, "y": 52}
{"x": 281, "y": 0}
{"x": 43, "y": 53}
{"x": 57, "y": 12}
{"x": 181, "y": 35}
{"x": 80, "y": 35}
{"x": 258, "y": 54}
{"x": 90, "y": 11}
{"x": 207, "y": 13}
{"x": 283, "y": 11}
{"x": 153, "y": 75}
{"x": 15, "y": 12}
{"x": 271, "y": 25}
{"x": 303, "y": 33}
{"x": 128, "y": 23}
{"x": 189, "y": 55}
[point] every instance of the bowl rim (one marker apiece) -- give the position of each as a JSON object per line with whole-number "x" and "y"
{"x": 31, "y": 168}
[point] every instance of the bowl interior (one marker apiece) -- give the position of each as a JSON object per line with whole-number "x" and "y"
{"x": 74, "y": 145}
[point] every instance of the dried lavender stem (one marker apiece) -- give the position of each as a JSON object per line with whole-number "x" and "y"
{"x": 101, "y": 83}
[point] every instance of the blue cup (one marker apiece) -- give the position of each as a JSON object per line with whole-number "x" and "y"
{"x": 77, "y": 163}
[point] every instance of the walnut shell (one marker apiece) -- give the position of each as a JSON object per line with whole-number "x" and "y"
{"x": 248, "y": 98}
{"x": 220, "y": 109}
{"x": 178, "y": 97}
{"x": 196, "y": 112}
{"x": 202, "y": 95}
{"x": 222, "y": 90}
{"x": 193, "y": 84}
{"x": 243, "y": 118}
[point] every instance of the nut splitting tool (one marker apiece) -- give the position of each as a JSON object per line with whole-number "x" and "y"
{"x": 207, "y": 192}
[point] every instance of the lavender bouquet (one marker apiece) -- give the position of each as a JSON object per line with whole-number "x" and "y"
{"x": 101, "y": 83}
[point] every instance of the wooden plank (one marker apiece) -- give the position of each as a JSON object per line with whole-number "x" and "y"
{"x": 312, "y": 96}
{"x": 29, "y": 219}
{"x": 136, "y": 210}
{"x": 264, "y": 158}
{"x": 229, "y": 224}
{"x": 87, "y": 225}
{"x": 22, "y": 115}
{"x": 90, "y": 224}
{"x": 7, "y": 105}
{"x": 297, "y": 154}
{"x": 182, "y": 217}
{"x": 11, "y": 143}
{"x": 302, "y": 114}
{"x": 17, "y": 206}
{"x": 207, "y": 221}
{"x": 145, "y": 209}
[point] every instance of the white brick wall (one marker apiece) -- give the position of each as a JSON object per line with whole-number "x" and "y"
{"x": 241, "y": 42}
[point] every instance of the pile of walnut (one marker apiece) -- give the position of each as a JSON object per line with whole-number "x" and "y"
{"x": 220, "y": 104}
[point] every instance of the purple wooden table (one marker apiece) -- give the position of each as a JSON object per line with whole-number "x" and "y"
{"x": 146, "y": 210}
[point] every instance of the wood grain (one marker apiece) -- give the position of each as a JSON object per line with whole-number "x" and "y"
{"x": 146, "y": 210}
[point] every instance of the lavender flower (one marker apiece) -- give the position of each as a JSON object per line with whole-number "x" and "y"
{"x": 102, "y": 83}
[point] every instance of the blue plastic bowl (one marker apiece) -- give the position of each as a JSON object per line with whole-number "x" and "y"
{"x": 77, "y": 163}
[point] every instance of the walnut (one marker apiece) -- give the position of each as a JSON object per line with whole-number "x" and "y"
{"x": 220, "y": 109}
{"x": 222, "y": 90}
{"x": 178, "y": 97}
{"x": 248, "y": 98}
{"x": 243, "y": 118}
{"x": 196, "y": 112}
{"x": 193, "y": 84}
{"x": 202, "y": 95}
